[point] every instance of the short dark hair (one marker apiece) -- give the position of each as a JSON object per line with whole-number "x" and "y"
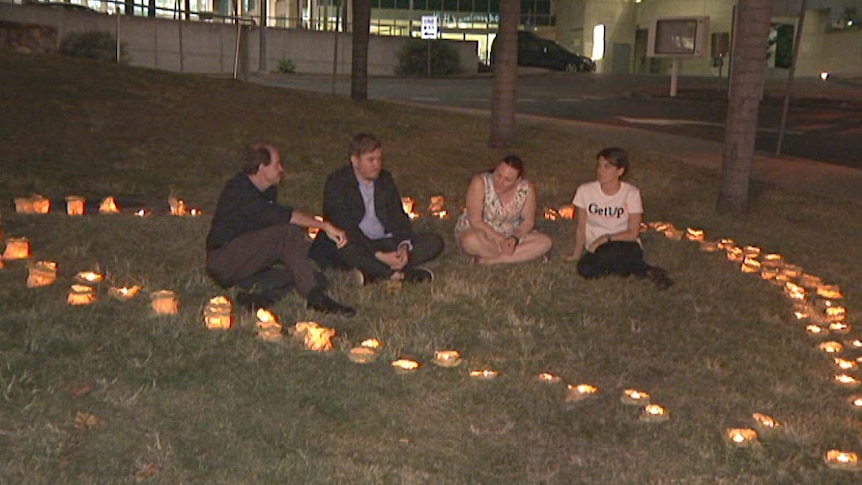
{"x": 616, "y": 157}
{"x": 515, "y": 162}
{"x": 256, "y": 154}
{"x": 364, "y": 143}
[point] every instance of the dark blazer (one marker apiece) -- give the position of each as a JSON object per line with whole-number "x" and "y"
{"x": 343, "y": 207}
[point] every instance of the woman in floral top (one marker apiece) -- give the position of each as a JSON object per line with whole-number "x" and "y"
{"x": 498, "y": 225}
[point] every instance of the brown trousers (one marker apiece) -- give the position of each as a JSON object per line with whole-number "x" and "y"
{"x": 275, "y": 256}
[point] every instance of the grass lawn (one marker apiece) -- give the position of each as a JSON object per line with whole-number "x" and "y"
{"x": 110, "y": 393}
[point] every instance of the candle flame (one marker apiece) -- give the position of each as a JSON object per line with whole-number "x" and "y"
{"x": 764, "y": 420}
{"x": 371, "y": 343}
{"x": 405, "y": 364}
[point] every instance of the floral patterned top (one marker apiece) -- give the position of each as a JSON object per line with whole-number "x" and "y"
{"x": 504, "y": 218}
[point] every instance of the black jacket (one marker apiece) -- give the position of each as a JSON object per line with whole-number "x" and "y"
{"x": 242, "y": 209}
{"x": 343, "y": 206}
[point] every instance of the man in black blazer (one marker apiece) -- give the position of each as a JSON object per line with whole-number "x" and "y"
{"x": 362, "y": 199}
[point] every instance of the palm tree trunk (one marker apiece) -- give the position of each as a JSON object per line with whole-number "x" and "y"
{"x": 359, "y": 66}
{"x": 747, "y": 74}
{"x": 505, "y": 75}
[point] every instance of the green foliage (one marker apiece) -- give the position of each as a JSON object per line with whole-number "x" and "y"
{"x": 413, "y": 58}
{"x": 93, "y": 44}
{"x": 286, "y": 66}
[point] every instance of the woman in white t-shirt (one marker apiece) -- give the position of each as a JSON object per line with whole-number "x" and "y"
{"x": 609, "y": 215}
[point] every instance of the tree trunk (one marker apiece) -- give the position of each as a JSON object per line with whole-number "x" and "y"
{"x": 505, "y": 75}
{"x": 748, "y": 66}
{"x": 359, "y": 66}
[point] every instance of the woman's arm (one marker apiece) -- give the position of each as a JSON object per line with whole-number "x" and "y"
{"x": 528, "y": 214}
{"x": 580, "y": 233}
{"x": 476, "y": 206}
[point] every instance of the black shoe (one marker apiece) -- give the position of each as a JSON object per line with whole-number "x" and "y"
{"x": 319, "y": 301}
{"x": 418, "y": 275}
{"x": 250, "y": 302}
{"x": 659, "y": 278}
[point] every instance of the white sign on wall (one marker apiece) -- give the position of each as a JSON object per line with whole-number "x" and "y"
{"x": 429, "y": 27}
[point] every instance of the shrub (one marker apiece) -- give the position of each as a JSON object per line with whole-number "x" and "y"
{"x": 413, "y": 58}
{"x": 92, "y": 45}
{"x": 286, "y": 66}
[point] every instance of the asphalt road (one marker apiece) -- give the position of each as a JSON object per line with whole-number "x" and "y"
{"x": 822, "y": 125}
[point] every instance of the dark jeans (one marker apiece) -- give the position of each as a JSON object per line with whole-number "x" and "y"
{"x": 271, "y": 262}
{"x": 426, "y": 246}
{"x": 615, "y": 257}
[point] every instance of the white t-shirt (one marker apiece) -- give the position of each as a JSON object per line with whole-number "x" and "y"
{"x": 607, "y": 214}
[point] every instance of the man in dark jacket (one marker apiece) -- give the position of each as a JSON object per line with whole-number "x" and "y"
{"x": 258, "y": 245}
{"x": 362, "y": 199}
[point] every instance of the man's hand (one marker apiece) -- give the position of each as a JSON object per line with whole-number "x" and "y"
{"x": 396, "y": 260}
{"x": 338, "y": 236}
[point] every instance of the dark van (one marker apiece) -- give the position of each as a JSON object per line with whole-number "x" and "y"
{"x": 534, "y": 51}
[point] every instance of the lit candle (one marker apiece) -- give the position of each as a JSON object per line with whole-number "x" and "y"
{"x": 791, "y": 270}
{"x": 801, "y": 314}
{"x": 750, "y": 265}
{"x": 88, "y": 277}
{"x": 371, "y": 343}
{"x": 816, "y": 331}
{"x": 81, "y": 295}
{"x": 437, "y": 207}
{"x": 741, "y": 437}
{"x": 735, "y": 254}
{"x": 833, "y": 292}
{"x": 218, "y": 313}
{"x": 653, "y": 413}
{"x": 847, "y": 381}
{"x": 769, "y": 273}
{"x": 773, "y": 260}
{"x": 855, "y": 402}
{"x": 142, "y": 213}
{"x": 75, "y": 205}
{"x": 447, "y": 358}
{"x": 764, "y": 423}
{"x": 844, "y": 364}
{"x": 633, "y": 397}
{"x": 854, "y": 344}
{"x": 548, "y": 377}
{"x": 315, "y": 337}
{"x": 484, "y": 374}
{"x": 842, "y": 460}
{"x": 831, "y": 347}
{"x": 124, "y": 293}
{"x": 268, "y": 327}
{"x": 567, "y": 211}
{"x": 405, "y": 365}
{"x": 694, "y": 234}
{"x": 164, "y": 302}
{"x": 551, "y": 214}
{"x": 725, "y": 243}
{"x": 580, "y": 392}
{"x": 836, "y": 313}
{"x": 794, "y": 291}
{"x": 840, "y": 328}
{"x": 42, "y": 273}
{"x": 108, "y": 206}
{"x": 17, "y": 248}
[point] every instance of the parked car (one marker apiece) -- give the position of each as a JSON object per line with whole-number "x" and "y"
{"x": 534, "y": 51}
